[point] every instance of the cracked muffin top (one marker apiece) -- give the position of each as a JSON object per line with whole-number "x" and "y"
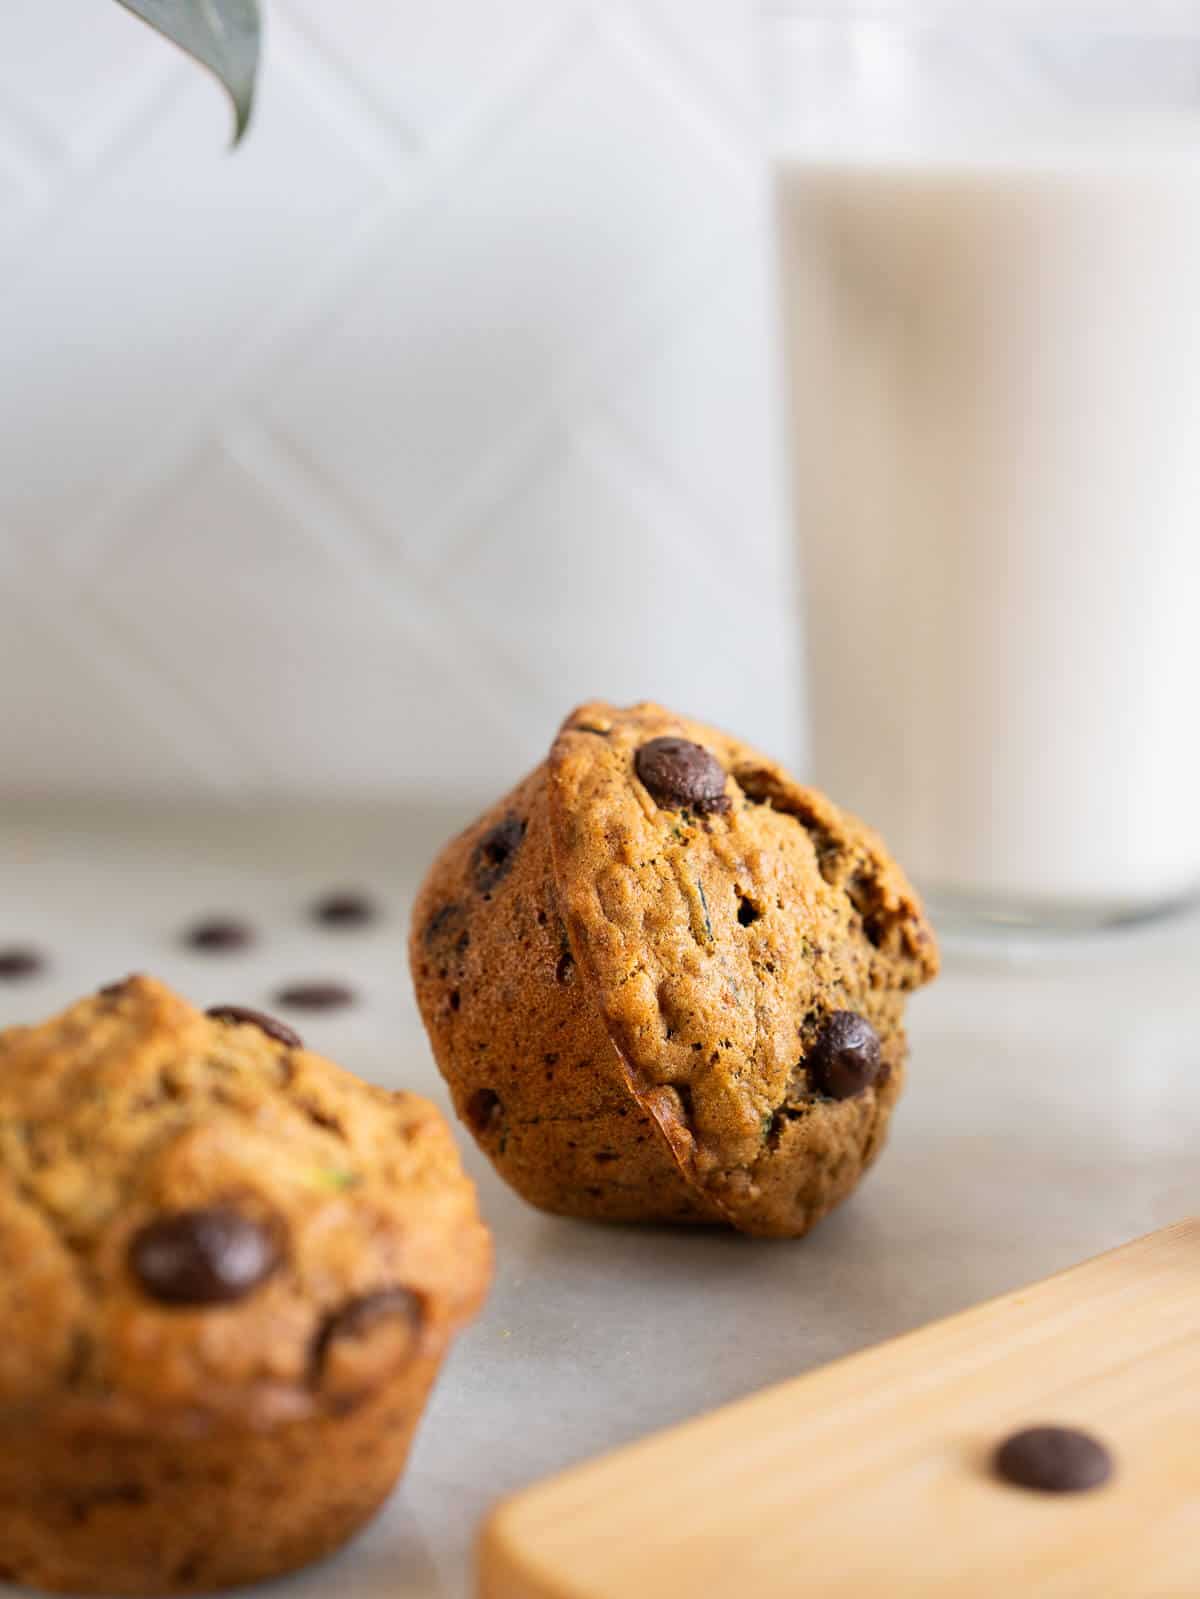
{"x": 200, "y": 1217}
{"x": 723, "y": 913}
{"x": 666, "y": 982}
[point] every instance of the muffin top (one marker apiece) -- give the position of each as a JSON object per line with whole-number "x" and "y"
{"x": 201, "y": 1219}
{"x": 735, "y": 927}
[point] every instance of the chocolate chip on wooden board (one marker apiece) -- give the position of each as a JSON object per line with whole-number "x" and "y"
{"x": 682, "y": 776}
{"x": 1053, "y": 1460}
{"x": 237, "y": 1015}
{"x": 209, "y": 1256}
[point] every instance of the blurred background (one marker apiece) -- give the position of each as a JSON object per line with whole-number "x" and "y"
{"x": 335, "y": 469}
{"x": 340, "y": 466}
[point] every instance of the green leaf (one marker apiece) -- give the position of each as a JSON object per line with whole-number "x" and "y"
{"x": 223, "y": 35}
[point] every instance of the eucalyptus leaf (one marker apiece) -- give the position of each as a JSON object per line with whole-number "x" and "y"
{"x": 223, "y": 35}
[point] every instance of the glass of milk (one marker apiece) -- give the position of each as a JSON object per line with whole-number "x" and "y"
{"x": 988, "y": 256}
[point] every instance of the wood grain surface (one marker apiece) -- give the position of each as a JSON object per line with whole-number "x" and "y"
{"x": 871, "y": 1476}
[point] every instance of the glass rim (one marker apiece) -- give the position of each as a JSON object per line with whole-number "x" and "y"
{"x": 1152, "y": 18}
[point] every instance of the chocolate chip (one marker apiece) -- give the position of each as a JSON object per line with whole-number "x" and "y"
{"x": 1053, "y": 1460}
{"x": 19, "y": 961}
{"x": 682, "y": 776}
{"x": 360, "y": 1316}
{"x": 845, "y": 1058}
{"x": 444, "y": 921}
{"x": 114, "y": 990}
{"x": 484, "y": 1112}
{"x": 319, "y": 995}
{"x": 493, "y": 855}
{"x": 345, "y": 908}
{"x": 203, "y": 1257}
{"x": 235, "y": 1014}
{"x": 359, "y": 1345}
{"x": 219, "y": 933}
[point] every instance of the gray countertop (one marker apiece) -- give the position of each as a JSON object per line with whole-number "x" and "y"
{"x": 1053, "y": 1111}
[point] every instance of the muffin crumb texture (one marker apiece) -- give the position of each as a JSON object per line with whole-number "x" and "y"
{"x": 228, "y": 1274}
{"x": 666, "y": 982}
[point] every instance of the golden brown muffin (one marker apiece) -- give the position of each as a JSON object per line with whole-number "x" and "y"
{"x": 229, "y": 1272}
{"x": 665, "y": 982}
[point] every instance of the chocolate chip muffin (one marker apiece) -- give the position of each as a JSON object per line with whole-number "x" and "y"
{"x": 229, "y": 1272}
{"x": 665, "y": 982}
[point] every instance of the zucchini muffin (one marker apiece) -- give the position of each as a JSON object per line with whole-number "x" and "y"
{"x": 229, "y": 1272}
{"x": 666, "y": 982}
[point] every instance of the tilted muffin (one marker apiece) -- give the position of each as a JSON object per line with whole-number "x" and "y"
{"x": 229, "y": 1272}
{"x": 665, "y": 982}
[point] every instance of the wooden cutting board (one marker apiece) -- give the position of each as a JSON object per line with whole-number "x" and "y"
{"x": 871, "y": 1476}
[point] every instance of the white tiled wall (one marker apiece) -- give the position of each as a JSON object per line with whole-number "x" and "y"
{"x": 344, "y": 464}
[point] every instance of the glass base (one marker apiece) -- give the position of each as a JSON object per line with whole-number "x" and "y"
{"x": 977, "y": 924}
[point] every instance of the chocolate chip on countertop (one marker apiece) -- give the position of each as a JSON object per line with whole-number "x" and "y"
{"x": 682, "y": 776}
{"x": 845, "y": 1058}
{"x": 1053, "y": 1460}
{"x": 17, "y": 961}
{"x": 235, "y": 1014}
{"x": 345, "y": 908}
{"x": 320, "y": 995}
{"x": 219, "y": 933}
{"x": 211, "y": 1256}
{"x": 493, "y": 855}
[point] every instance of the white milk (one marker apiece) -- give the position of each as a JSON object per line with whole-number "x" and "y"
{"x": 995, "y": 376}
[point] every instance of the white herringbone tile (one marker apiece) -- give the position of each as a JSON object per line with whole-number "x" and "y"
{"x": 343, "y": 464}
{"x": 75, "y": 66}
{"x": 314, "y": 667}
{"x": 101, "y": 359}
{"x": 698, "y": 402}
{"x": 425, "y": 64}
{"x": 714, "y": 40}
{"x": 616, "y": 598}
{"x": 83, "y": 713}
{"x": 478, "y": 310}
{"x": 23, "y": 191}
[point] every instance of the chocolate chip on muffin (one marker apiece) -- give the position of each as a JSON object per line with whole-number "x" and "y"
{"x": 210, "y": 1256}
{"x": 243, "y": 1016}
{"x": 714, "y": 958}
{"x": 681, "y": 775}
{"x": 236, "y": 1284}
{"x": 493, "y": 855}
{"x": 845, "y": 1058}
